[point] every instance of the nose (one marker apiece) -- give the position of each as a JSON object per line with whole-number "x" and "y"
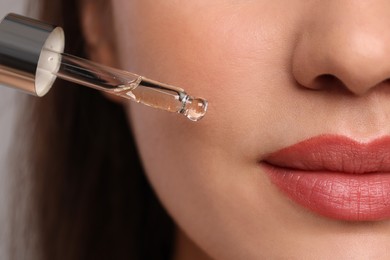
{"x": 344, "y": 43}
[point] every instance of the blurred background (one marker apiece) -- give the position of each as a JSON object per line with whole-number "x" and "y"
{"x": 8, "y": 114}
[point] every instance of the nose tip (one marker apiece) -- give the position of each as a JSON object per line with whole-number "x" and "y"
{"x": 354, "y": 54}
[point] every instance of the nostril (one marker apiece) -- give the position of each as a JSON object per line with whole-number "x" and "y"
{"x": 329, "y": 82}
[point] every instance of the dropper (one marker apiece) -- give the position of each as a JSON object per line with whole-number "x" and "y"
{"x": 31, "y": 58}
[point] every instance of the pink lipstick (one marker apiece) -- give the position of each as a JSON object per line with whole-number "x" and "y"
{"x": 335, "y": 176}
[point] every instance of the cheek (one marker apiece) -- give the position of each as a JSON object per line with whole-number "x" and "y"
{"x": 224, "y": 52}
{"x": 205, "y": 173}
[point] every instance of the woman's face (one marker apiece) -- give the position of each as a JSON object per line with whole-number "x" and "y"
{"x": 308, "y": 75}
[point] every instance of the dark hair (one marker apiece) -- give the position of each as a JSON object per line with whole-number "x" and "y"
{"x": 90, "y": 197}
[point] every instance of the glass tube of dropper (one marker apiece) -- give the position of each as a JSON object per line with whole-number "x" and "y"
{"x": 124, "y": 84}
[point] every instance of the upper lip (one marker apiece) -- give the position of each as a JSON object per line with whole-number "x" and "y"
{"x": 334, "y": 153}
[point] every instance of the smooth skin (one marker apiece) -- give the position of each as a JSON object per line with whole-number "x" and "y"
{"x": 275, "y": 73}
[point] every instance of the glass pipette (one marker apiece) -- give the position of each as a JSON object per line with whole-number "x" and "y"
{"x": 31, "y": 58}
{"x": 125, "y": 84}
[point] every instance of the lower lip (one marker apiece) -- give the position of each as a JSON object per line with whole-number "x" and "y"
{"x": 342, "y": 196}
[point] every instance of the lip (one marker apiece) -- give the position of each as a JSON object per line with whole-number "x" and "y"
{"x": 335, "y": 176}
